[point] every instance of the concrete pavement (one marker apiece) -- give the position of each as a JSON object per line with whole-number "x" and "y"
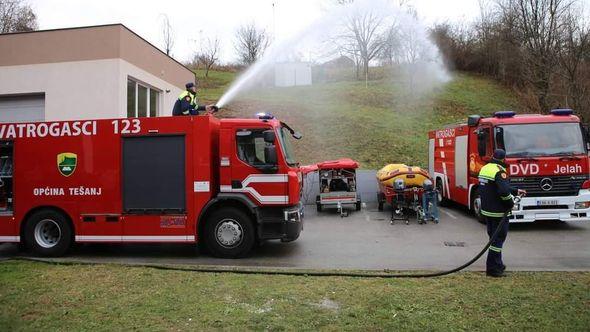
{"x": 366, "y": 240}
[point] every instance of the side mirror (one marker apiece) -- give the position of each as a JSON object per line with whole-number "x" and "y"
{"x": 473, "y": 120}
{"x": 269, "y": 136}
{"x": 297, "y": 135}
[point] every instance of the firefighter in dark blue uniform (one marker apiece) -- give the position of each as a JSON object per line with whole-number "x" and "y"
{"x": 186, "y": 104}
{"x": 496, "y": 201}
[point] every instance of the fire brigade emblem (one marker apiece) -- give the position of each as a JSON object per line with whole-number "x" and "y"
{"x": 66, "y": 163}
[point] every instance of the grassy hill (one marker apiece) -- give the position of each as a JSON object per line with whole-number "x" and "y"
{"x": 36, "y": 296}
{"x": 376, "y": 125}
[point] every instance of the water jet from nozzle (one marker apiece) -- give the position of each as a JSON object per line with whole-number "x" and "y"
{"x": 418, "y": 60}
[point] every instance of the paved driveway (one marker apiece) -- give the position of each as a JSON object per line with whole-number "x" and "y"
{"x": 366, "y": 240}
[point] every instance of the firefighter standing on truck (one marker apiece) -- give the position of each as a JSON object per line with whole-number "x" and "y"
{"x": 186, "y": 104}
{"x": 496, "y": 202}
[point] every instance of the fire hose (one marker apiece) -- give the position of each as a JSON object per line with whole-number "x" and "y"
{"x": 242, "y": 270}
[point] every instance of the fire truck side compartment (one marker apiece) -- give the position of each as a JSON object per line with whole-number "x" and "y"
{"x": 154, "y": 174}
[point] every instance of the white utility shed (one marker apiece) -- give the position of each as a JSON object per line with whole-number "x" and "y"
{"x": 292, "y": 74}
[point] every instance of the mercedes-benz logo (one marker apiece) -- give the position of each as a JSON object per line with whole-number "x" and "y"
{"x": 546, "y": 184}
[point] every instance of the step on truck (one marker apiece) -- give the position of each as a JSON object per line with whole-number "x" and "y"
{"x": 546, "y": 155}
{"x": 226, "y": 183}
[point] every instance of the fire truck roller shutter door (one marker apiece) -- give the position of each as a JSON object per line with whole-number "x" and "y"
{"x": 154, "y": 174}
{"x": 431, "y": 156}
{"x": 461, "y": 162}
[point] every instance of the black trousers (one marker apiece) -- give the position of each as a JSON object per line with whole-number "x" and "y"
{"x": 494, "y": 262}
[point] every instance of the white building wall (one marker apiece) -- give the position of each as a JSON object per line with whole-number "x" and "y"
{"x": 73, "y": 90}
{"x": 92, "y": 89}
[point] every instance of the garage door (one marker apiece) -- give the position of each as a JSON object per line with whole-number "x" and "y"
{"x": 29, "y": 108}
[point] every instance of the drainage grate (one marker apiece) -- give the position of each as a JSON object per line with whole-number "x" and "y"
{"x": 454, "y": 244}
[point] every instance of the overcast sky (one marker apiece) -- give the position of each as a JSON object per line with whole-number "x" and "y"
{"x": 194, "y": 21}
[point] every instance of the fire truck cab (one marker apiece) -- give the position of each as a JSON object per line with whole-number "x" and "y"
{"x": 225, "y": 183}
{"x": 546, "y": 155}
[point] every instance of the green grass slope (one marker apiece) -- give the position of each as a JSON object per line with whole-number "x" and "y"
{"x": 37, "y": 296}
{"x": 383, "y": 123}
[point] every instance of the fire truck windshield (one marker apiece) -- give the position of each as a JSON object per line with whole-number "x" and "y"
{"x": 286, "y": 146}
{"x": 541, "y": 139}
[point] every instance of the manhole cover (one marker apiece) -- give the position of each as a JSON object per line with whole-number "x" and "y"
{"x": 454, "y": 244}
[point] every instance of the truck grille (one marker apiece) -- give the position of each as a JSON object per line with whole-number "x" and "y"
{"x": 557, "y": 185}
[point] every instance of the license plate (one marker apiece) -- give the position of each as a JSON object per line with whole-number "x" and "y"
{"x": 547, "y": 202}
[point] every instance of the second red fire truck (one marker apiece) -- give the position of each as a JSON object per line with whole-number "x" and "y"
{"x": 547, "y": 155}
{"x": 228, "y": 183}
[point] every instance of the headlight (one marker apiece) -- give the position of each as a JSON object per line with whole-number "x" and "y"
{"x": 582, "y": 205}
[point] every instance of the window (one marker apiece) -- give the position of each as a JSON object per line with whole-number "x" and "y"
{"x": 284, "y": 138}
{"x": 142, "y": 100}
{"x": 543, "y": 139}
{"x": 251, "y": 147}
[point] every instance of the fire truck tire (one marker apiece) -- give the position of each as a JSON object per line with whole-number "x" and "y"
{"x": 229, "y": 233}
{"x": 48, "y": 233}
{"x": 476, "y": 207}
{"x": 442, "y": 200}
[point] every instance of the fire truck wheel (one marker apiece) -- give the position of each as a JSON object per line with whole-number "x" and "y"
{"x": 48, "y": 233}
{"x": 229, "y": 233}
{"x": 476, "y": 207}
{"x": 442, "y": 201}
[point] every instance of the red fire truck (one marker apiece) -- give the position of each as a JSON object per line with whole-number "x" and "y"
{"x": 228, "y": 183}
{"x": 547, "y": 155}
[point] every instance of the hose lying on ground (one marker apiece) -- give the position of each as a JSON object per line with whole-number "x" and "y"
{"x": 242, "y": 270}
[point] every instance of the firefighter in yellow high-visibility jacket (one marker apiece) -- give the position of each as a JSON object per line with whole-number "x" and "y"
{"x": 186, "y": 104}
{"x": 496, "y": 203}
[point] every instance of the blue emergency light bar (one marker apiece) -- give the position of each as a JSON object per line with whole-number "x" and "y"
{"x": 504, "y": 114}
{"x": 264, "y": 116}
{"x": 562, "y": 111}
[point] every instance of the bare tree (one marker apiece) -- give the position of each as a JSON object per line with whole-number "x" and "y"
{"x": 209, "y": 54}
{"x": 364, "y": 31}
{"x": 251, "y": 42}
{"x": 574, "y": 60}
{"x": 541, "y": 48}
{"x": 167, "y": 35}
{"x": 540, "y": 23}
{"x": 390, "y": 51}
{"x": 16, "y": 16}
